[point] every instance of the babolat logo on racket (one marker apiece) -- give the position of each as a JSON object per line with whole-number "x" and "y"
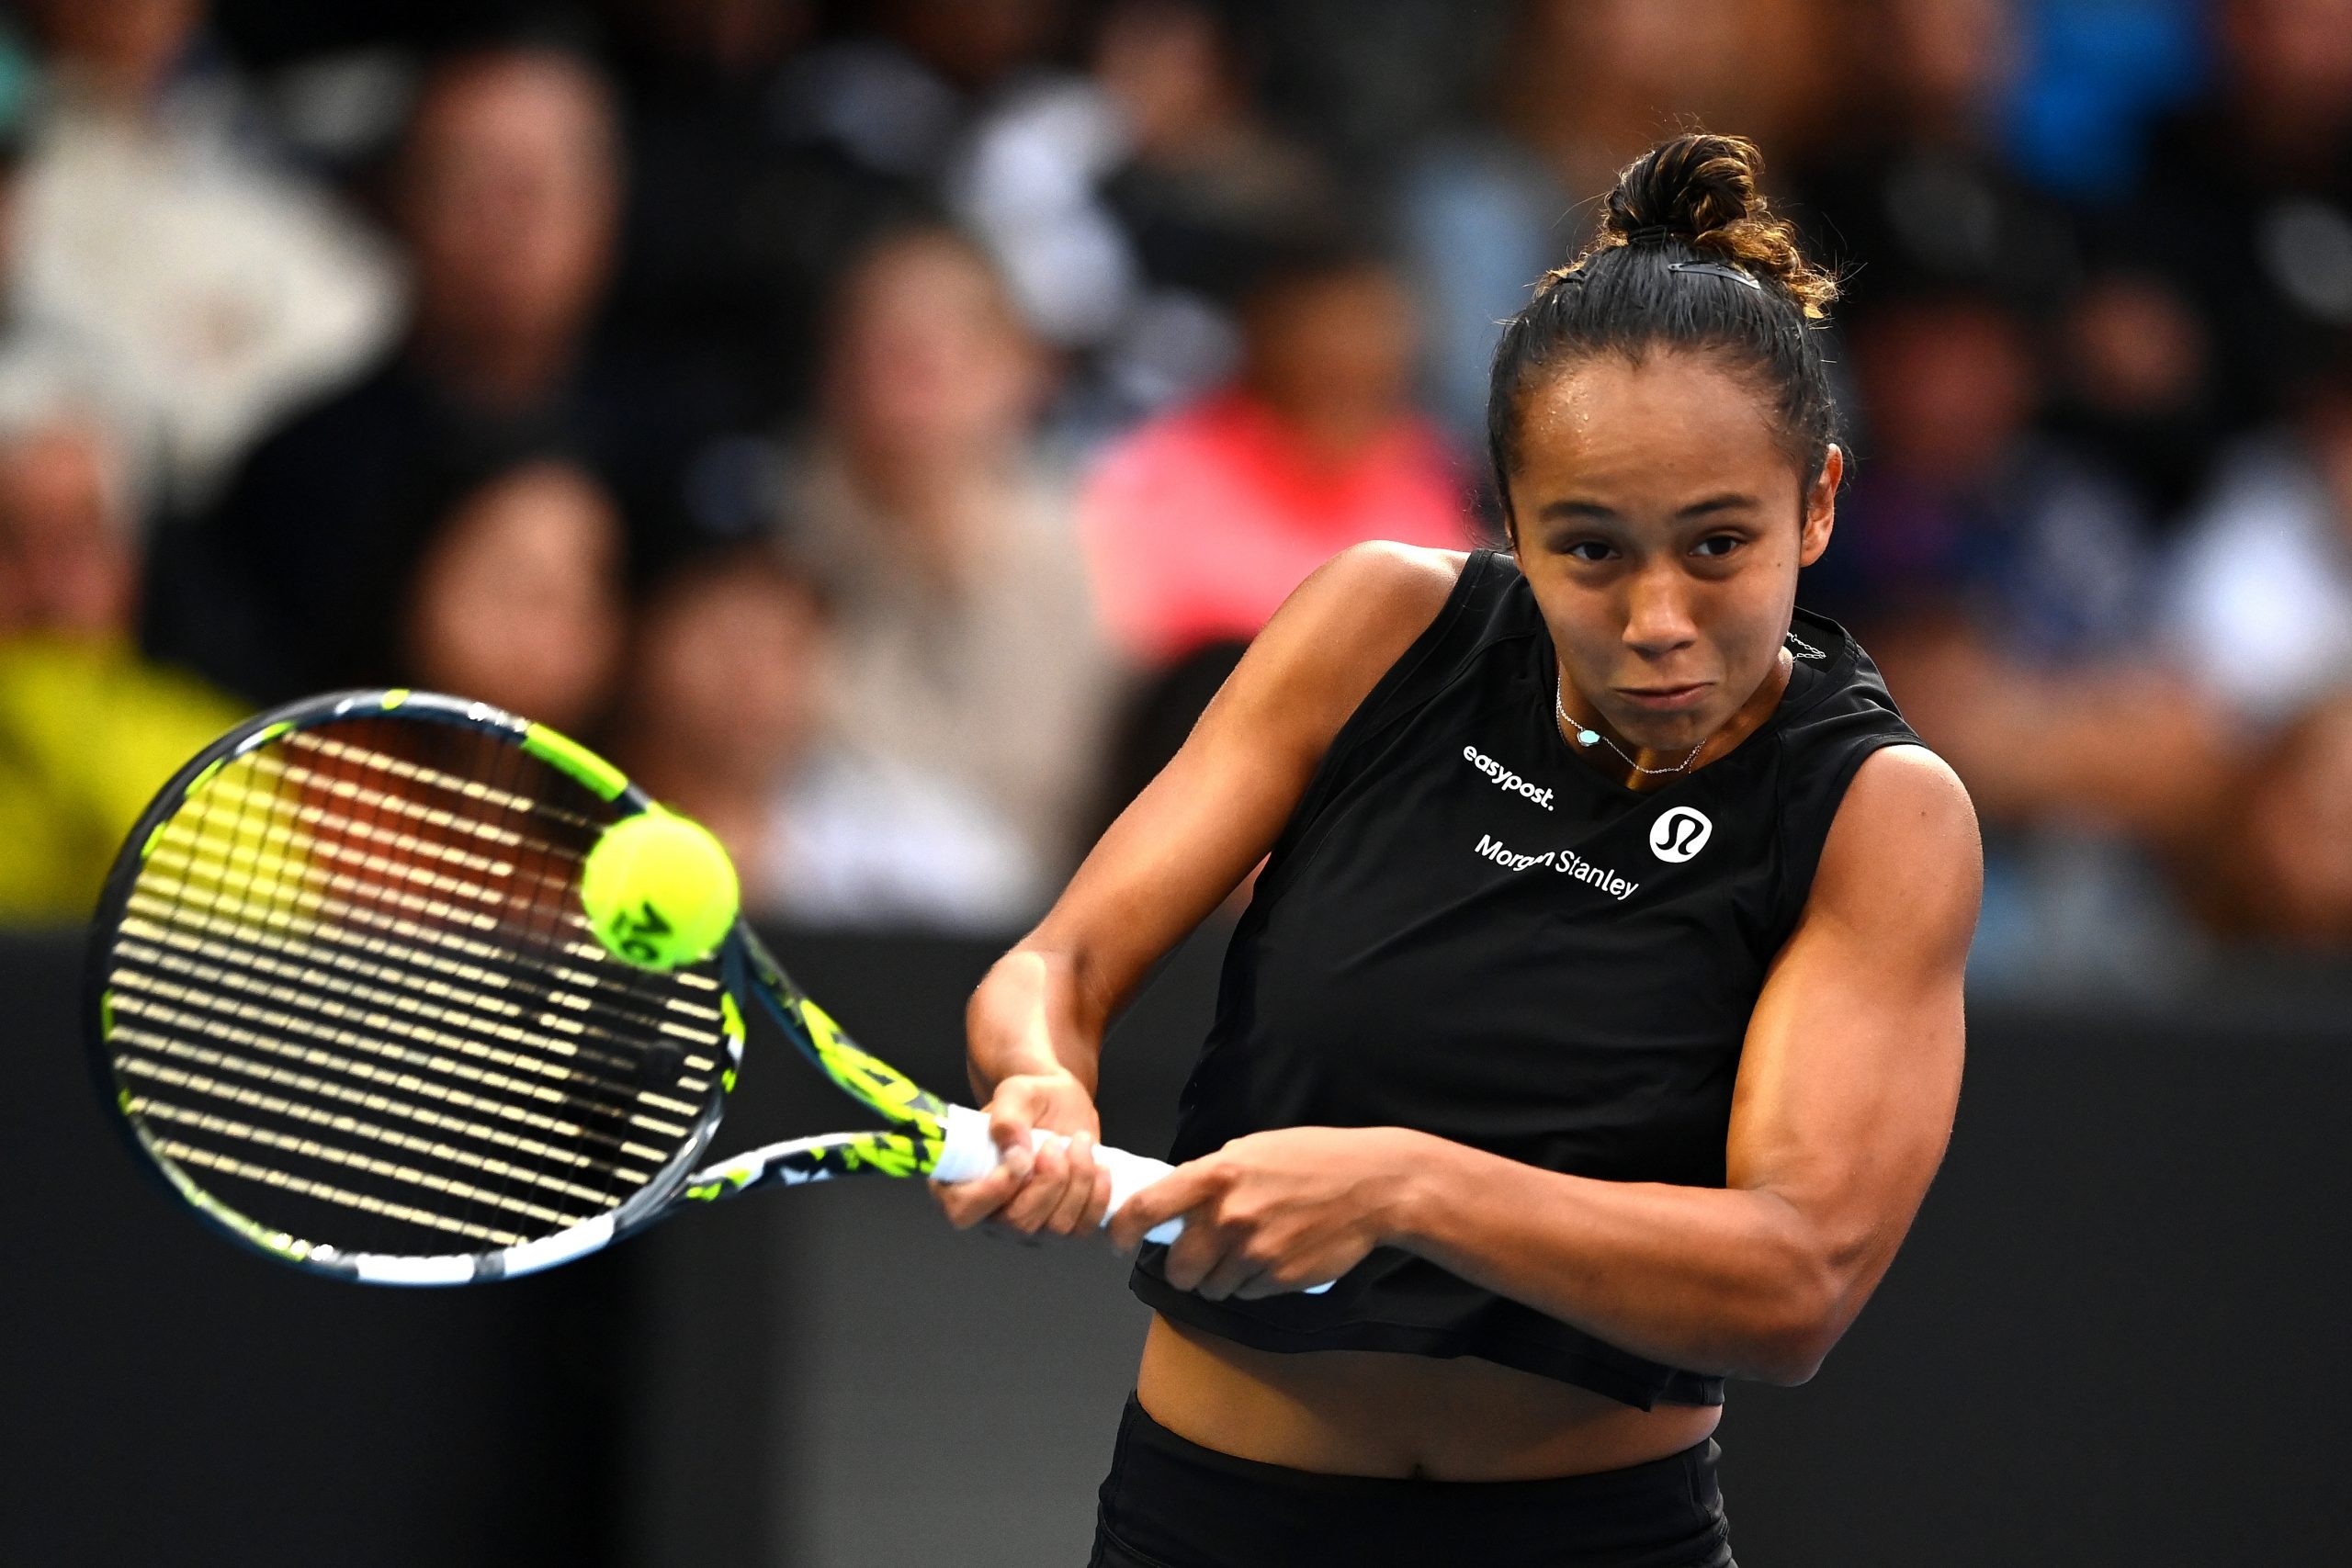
{"x": 636, "y": 934}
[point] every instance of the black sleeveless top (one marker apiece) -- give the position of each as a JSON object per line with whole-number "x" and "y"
{"x": 1465, "y": 929}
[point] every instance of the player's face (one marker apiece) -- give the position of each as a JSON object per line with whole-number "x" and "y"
{"x": 1660, "y": 523}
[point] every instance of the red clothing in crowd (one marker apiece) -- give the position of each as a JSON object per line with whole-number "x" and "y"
{"x": 1200, "y": 523}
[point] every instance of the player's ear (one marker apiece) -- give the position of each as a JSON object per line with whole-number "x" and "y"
{"x": 1821, "y": 506}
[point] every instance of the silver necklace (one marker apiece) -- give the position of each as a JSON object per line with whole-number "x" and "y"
{"x": 1584, "y": 734}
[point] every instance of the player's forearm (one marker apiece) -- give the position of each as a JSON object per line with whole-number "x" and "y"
{"x": 1045, "y": 1004}
{"x": 1031, "y": 1015}
{"x": 1710, "y": 1280}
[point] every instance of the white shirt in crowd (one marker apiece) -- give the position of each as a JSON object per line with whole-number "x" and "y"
{"x": 979, "y": 663}
{"x": 228, "y": 289}
{"x": 2260, "y": 599}
{"x": 867, "y": 842}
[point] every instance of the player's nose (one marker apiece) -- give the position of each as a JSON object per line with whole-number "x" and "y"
{"x": 1658, "y": 612}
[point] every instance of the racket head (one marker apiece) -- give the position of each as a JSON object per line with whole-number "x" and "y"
{"x": 343, "y": 997}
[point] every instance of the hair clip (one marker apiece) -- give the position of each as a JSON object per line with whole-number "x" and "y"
{"x": 1717, "y": 269}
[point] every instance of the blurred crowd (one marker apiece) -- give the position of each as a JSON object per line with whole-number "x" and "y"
{"x": 880, "y": 425}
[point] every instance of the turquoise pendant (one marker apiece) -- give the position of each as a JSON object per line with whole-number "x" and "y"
{"x": 1587, "y": 737}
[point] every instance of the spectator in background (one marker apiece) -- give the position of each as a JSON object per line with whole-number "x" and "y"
{"x": 507, "y": 189}
{"x": 1201, "y": 523}
{"x": 735, "y": 225}
{"x": 2005, "y": 586}
{"x": 1584, "y": 85}
{"x": 2247, "y": 211}
{"x": 225, "y": 287}
{"x": 1917, "y": 190}
{"x": 1130, "y": 207}
{"x": 967, "y": 644}
{"x": 895, "y": 96}
{"x": 2259, "y": 605}
{"x": 1957, "y": 509}
{"x": 515, "y": 597}
{"x": 1208, "y": 180}
{"x": 723, "y": 720}
{"x": 2213, "y": 282}
{"x": 2280, "y": 869}
{"x": 46, "y": 363}
{"x": 1920, "y": 192}
{"x": 88, "y": 731}
{"x": 2135, "y": 386}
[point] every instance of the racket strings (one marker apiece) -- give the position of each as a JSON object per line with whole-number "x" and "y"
{"x": 274, "y": 965}
{"x": 327, "y": 1193}
{"x": 309, "y": 1148}
{"x": 363, "y": 849}
{"x": 354, "y": 1129}
{"x": 401, "y": 836}
{"x": 464, "y": 786}
{"x": 355, "y": 1001}
{"x": 614, "y": 982}
{"x": 507, "y": 1099}
{"x": 317, "y": 946}
{"x": 579, "y": 831}
{"x": 484, "y": 1039}
{"x": 227, "y": 879}
{"x": 375, "y": 1102}
{"x": 487, "y": 880}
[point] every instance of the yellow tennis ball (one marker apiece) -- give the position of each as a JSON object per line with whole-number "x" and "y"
{"x": 659, "y": 889}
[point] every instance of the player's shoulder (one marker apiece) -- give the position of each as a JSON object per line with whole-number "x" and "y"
{"x": 1903, "y": 853}
{"x": 1359, "y": 611}
{"x": 1909, "y": 784}
{"x": 1340, "y": 631}
{"x": 1379, "y": 588}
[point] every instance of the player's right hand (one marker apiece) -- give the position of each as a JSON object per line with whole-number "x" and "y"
{"x": 1041, "y": 1186}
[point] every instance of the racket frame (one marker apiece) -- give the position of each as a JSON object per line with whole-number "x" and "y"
{"x": 928, "y": 1137}
{"x": 550, "y": 747}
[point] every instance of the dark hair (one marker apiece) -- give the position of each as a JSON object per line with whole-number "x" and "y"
{"x": 423, "y": 508}
{"x": 1688, "y": 256}
{"x": 692, "y": 572}
{"x": 1305, "y": 250}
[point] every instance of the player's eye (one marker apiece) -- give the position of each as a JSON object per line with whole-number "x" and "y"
{"x": 1588, "y": 550}
{"x": 1716, "y": 545}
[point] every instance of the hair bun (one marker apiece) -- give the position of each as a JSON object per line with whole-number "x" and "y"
{"x": 1702, "y": 191}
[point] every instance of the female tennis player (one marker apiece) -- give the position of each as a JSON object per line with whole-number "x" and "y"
{"x": 1595, "y": 1021}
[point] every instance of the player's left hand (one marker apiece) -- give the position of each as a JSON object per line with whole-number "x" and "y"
{"x": 1275, "y": 1212}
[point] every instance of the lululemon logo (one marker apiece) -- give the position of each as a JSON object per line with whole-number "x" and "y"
{"x": 1679, "y": 834}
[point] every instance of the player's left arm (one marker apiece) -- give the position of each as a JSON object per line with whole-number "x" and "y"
{"x": 1848, "y": 1083}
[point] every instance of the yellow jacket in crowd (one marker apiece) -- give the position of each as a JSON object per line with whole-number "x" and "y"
{"x": 88, "y": 733}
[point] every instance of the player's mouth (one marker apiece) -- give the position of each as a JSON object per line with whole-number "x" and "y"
{"x": 1666, "y": 699}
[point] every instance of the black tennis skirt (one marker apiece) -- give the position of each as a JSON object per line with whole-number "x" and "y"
{"x": 1168, "y": 1502}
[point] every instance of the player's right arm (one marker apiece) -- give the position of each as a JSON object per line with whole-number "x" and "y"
{"x": 1035, "y": 1026}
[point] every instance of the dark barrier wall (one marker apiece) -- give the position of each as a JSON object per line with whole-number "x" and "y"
{"x": 2114, "y": 1337}
{"x": 170, "y": 1399}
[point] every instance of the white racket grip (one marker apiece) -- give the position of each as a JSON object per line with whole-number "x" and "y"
{"x": 967, "y": 1153}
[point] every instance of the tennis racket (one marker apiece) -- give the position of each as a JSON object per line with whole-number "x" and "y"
{"x": 344, "y": 995}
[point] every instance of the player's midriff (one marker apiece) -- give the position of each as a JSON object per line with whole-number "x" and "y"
{"x": 1378, "y": 1413}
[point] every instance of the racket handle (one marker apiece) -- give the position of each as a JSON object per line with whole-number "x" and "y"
{"x": 969, "y": 1152}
